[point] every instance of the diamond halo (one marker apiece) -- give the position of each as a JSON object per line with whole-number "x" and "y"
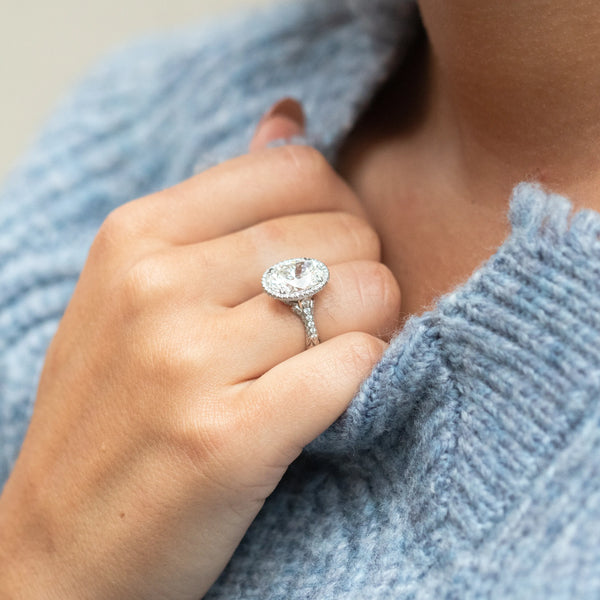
{"x": 295, "y": 279}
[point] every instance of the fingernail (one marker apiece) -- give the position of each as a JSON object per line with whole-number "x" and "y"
{"x": 284, "y": 120}
{"x": 288, "y": 108}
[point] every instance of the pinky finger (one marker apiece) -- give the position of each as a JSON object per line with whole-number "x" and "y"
{"x": 295, "y": 401}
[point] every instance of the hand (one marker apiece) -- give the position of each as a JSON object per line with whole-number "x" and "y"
{"x": 175, "y": 393}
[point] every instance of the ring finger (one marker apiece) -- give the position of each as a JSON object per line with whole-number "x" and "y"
{"x": 231, "y": 266}
{"x": 360, "y": 296}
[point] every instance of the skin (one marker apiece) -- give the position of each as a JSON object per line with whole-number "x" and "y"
{"x": 154, "y": 444}
{"x": 496, "y": 93}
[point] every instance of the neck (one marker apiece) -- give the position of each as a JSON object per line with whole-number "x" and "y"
{"x": 516, "y": 87}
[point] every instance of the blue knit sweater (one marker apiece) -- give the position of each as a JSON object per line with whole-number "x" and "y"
{"x": 468, "y": 465}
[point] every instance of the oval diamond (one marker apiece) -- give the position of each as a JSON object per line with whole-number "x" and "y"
{"x": 295, "y": 279}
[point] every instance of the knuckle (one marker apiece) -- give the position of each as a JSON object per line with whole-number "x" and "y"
{"x": 119, "y": 225}
{"x": 144, "y": 283}
{"x": 107, "y": 238}
{"x": 267, "y": 233}
{"x": 115, "y": 234}
{"x": 305, "y": 168}
{"x": 381, "y": 288}
{"x": 364, "y": 237}
{"x": 362, "y": 352}
{"x": 303, "y": 163}
{"x": 210, "y": 259}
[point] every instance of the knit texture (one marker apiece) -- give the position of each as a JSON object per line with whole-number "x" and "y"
{"x": 468, "y": 464}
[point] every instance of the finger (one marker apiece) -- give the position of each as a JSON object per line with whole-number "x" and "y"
{"x": 284, "y": 120}
{"x": 238, "y": 261}
{"x": 298, "y": 399}
{"x": 360, "y": 296}
{"x": 271, "y": 183}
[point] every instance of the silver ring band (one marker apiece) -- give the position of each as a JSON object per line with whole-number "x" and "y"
{"x": 304, "y": 309}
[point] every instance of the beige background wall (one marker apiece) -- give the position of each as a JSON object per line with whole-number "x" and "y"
{"x": 44, "y": 46}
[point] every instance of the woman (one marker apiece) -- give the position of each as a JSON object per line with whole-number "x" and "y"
{"x": 176, "y": 393}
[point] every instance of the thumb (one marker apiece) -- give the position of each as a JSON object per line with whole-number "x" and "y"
{"x": 284, "y": 120}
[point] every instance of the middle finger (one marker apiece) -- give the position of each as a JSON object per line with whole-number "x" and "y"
{"x": 231, "y": 266}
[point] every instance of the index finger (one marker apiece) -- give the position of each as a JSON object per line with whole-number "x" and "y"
{"x": 241, "y": 192}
